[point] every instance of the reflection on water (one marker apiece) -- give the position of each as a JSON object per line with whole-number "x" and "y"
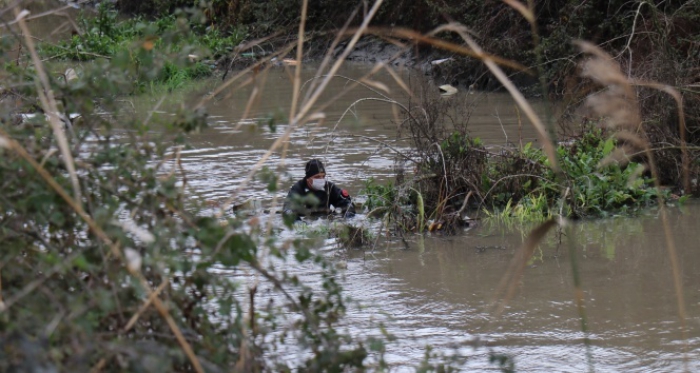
{"x": 445, "y": 292}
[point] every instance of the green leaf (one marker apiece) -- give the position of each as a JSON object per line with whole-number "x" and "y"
{"x": 81, "y": 263}
{"x": 608, "y": 146}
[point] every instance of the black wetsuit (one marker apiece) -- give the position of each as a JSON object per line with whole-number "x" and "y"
{"x": 330, "y": 196}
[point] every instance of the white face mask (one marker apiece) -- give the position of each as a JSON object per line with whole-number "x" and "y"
{"x": 318, "y": 184}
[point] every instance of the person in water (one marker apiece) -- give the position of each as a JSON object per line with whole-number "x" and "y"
{"x": 314, "y": 194}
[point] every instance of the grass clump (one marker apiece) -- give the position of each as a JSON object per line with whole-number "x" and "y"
{"x": 350, "y": 236}
{"x": 185, "y": 49}
{"x": 586, "y": 187}
{"x": 111, "y": 264}
{"x": 456, "y": 173}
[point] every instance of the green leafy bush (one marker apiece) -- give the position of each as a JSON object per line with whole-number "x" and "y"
{"x": 187, "y": 54}
{"x": 588, "y": 188}
{"x": 113, "y": 266}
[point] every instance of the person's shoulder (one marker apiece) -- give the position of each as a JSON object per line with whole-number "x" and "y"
{"x": 299, "y": 186}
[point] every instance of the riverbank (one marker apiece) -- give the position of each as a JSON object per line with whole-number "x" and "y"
{"x": 209, "y": 49}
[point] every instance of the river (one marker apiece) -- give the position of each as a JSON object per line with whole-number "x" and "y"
{"x": 439, "y": 291}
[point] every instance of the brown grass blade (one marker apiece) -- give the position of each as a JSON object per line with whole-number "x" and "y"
{"x": 681, "y": 126}
{"x": 524, "y": 105}
{"x": 331, "y": 48}
{"x": 398, "y": 80}
{"x": 602, "y": 69}
{"x": 377, "y": 85}
{"x": 300, "y": 55}
{"x": 417, "y": 37}
{"x": 114, "y": 247}
{"x": 509, "y": 281}
{"x": 145, "y": 305}
{"x": 48, "y": 103}
{"x": 522, "y": 9}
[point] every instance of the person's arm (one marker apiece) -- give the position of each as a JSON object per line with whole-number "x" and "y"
{"x": 341, "y": 198}
{"x": 288, "y": 207}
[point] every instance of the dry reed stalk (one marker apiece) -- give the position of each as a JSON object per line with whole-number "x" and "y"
{"x": 300, "y": 55}
{"x": 492, "y": 62}
{"x": 2, "y": 303}
{"x": 417, "y": 38}
{"x": 114, "y": 247}
{"x": 578, "y": 295}
{"x": 48, "y": 104}
{"x": 98, "y": 367}
{"x": 295, "y": 89}
{"x": 145, "y": 306}
{"x": 341, "y": 59}
{"x": 331, "y": 48}
{"x": 682, "y": 128}
{"x": 517, "y": 265}
{"x": 619, "y": 105}
{"x": 302, "y": 116}
{"x": 525, "y": 11}
{"x": 40, "y": 15}
{"x": 252, "y": 102}
{"x": 399, "y": 81}
{"x": 524, "y": 105}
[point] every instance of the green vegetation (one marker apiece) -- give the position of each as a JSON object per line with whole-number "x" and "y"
{"x": 109, "y": 265}
{"x": 351, "y": 236}
{"x": 520, "y": 182}
{"x": 185, "y": 50}
{"x": 590, "y": 189}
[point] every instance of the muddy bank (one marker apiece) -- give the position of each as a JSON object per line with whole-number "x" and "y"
{"x": 442, "y": 67}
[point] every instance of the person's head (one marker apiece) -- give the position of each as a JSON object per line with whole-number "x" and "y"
{"x": 315, "y": 174}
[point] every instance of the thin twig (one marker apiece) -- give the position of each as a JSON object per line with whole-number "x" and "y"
{"x": 2, "y": 304}
{"x": 385, "y": 145}
{"x": 302, "y": 116}
{"x": 145, "y": 305}
{"x": 27, "y": 289}
{"x": 48, "y": 103}
{"x": 444, "y": 166}
{"x": 509, "y": 177}
{"x": 351, "y": 106}
{"x": 178, "y": 161}
{"x": 98, "y": 367}
{"x": 114, "y": 247}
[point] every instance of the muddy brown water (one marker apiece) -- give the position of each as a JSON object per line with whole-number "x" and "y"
{"x": 439, "y": 290}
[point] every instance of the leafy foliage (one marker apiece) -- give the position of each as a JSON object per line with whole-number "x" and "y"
{"x": 589, "y": 189}
{"x": 185, "y": 45}
{"x": 77, "y": 273}
{"x": 515, "y": 182}
{"x": 378, "y": 196}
